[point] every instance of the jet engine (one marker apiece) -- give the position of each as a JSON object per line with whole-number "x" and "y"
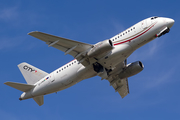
{"x": 100, "y": 48}
{"x": 131, "y": 69}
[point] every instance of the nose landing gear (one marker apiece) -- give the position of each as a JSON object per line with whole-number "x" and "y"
{"x": 163, "y": 32}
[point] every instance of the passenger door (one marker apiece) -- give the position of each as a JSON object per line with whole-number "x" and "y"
{"x": 144, "y": 24}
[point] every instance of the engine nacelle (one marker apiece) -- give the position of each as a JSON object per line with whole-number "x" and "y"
{"x": 100, "y": 48}
{"x": 131, "y": 69}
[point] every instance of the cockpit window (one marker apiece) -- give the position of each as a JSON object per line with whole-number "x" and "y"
{"x": 154, "y": 17}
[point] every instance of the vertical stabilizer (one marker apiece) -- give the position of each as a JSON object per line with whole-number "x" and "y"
{"x": 31, "y": 74}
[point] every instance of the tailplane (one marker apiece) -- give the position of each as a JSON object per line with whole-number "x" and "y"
{"x": 31, "y": 74}
{"x": 20, "y": 86}
{"x": 25, "y": 88}
{"x": 39, "y": 100}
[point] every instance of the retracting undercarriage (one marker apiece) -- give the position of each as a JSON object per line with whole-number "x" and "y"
{"x": 163, "y": 32}
{"x": 105, "y": 47}
{"x": 127, "y": 71}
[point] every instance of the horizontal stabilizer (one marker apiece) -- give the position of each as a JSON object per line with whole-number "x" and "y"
{"x": 39, "y": 100}
{"x": 20, "y": 86}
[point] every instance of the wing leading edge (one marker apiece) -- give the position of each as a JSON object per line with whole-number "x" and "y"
{"x": 71, "y": 47}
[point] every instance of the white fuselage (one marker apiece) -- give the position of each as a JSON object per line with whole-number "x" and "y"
{"x": 125, "y": 43}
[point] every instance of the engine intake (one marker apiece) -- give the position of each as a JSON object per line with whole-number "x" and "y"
{"x": 100, "y": 48}
{"x": 131, "y": 69}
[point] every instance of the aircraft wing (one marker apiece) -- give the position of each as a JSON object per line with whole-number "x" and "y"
{"x": 120, "y": 85}
{"x": 74, "y": 48}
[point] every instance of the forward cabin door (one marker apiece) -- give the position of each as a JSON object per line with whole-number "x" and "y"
{"x": 144, "y": 24}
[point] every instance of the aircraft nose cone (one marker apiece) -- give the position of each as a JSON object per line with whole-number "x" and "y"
{"x": 170, "y": 22}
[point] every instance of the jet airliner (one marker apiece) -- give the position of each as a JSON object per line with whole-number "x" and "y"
{"x": 107, "y": 59}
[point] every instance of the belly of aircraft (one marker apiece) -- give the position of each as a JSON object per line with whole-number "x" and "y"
{"x": 118, "y": 55}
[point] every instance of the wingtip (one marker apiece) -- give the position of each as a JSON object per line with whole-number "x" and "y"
{"x": 6, "y": 83}
{"x": 32, "y": 32}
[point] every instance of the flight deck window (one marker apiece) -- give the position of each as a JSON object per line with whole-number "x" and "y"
{"x": 74, "y": 61}
{"x": 155, "y": 17}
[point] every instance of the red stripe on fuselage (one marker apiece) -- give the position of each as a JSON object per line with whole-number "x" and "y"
{"x": 134, "y": 37}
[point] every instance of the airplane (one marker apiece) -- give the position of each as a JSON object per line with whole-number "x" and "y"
{"x": 107, "y": 59}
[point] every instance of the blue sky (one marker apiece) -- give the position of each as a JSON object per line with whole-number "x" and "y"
{"x": 154, "y": 93}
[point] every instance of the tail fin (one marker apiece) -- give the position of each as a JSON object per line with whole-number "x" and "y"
{"x": 20, "y": 86}
{"x": 31, "y": 74}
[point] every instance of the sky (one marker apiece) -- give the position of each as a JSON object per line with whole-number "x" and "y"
{"x": 154, "y": 92}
